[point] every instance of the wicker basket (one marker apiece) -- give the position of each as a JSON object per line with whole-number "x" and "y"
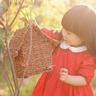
{"x": 30, "y": 55}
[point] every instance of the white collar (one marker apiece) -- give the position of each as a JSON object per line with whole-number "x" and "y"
{"x": 64, "y": 45}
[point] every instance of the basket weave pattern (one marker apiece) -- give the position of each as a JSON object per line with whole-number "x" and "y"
{"x": 40, "y": 56}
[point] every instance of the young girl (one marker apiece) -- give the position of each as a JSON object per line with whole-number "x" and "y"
{"x": 73, "y": 58}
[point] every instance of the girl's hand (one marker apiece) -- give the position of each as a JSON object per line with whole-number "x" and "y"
{"x": 63, "y": 74}
{"x": 33, "y": 23}
{"x": 72, "y": 79}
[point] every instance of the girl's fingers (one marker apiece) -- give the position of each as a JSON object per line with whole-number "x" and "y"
{"x": 63, "y": 73}
{"x": 63, "y": 70}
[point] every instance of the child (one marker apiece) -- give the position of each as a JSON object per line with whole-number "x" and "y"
{"x": 73, "y": 57}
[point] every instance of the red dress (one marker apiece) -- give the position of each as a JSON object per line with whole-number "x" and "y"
{"x": 78, "y": 63}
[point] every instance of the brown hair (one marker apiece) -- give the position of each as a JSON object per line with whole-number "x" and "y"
{"x": 82, "y": 21}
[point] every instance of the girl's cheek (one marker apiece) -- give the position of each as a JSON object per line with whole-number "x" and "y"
{"x": 64, "y": 33}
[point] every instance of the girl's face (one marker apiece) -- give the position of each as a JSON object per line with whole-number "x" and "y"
{"x": 71, "y": 38}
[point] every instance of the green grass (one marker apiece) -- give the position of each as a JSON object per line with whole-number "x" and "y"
{"x": 94, "y": 84}
{"x": 26, "y": 89}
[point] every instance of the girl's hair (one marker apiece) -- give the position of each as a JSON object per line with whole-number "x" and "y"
{"x": 82, "y": 21}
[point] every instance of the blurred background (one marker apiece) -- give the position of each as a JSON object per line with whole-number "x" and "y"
{"x": 14, "y": 15}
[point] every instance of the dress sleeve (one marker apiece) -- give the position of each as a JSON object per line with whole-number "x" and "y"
{"x": 87, "y": 68}
{"x": 52, "y": 34}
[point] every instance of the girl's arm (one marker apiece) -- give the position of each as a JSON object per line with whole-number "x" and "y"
{"x": 54, "y": 36}
{"x": 71, "y": 79}
{"x": 76, "y": 80}
{"x": 83, "y": 76}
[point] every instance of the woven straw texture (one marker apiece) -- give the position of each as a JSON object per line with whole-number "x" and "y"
{"x": 31, "y": 51}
